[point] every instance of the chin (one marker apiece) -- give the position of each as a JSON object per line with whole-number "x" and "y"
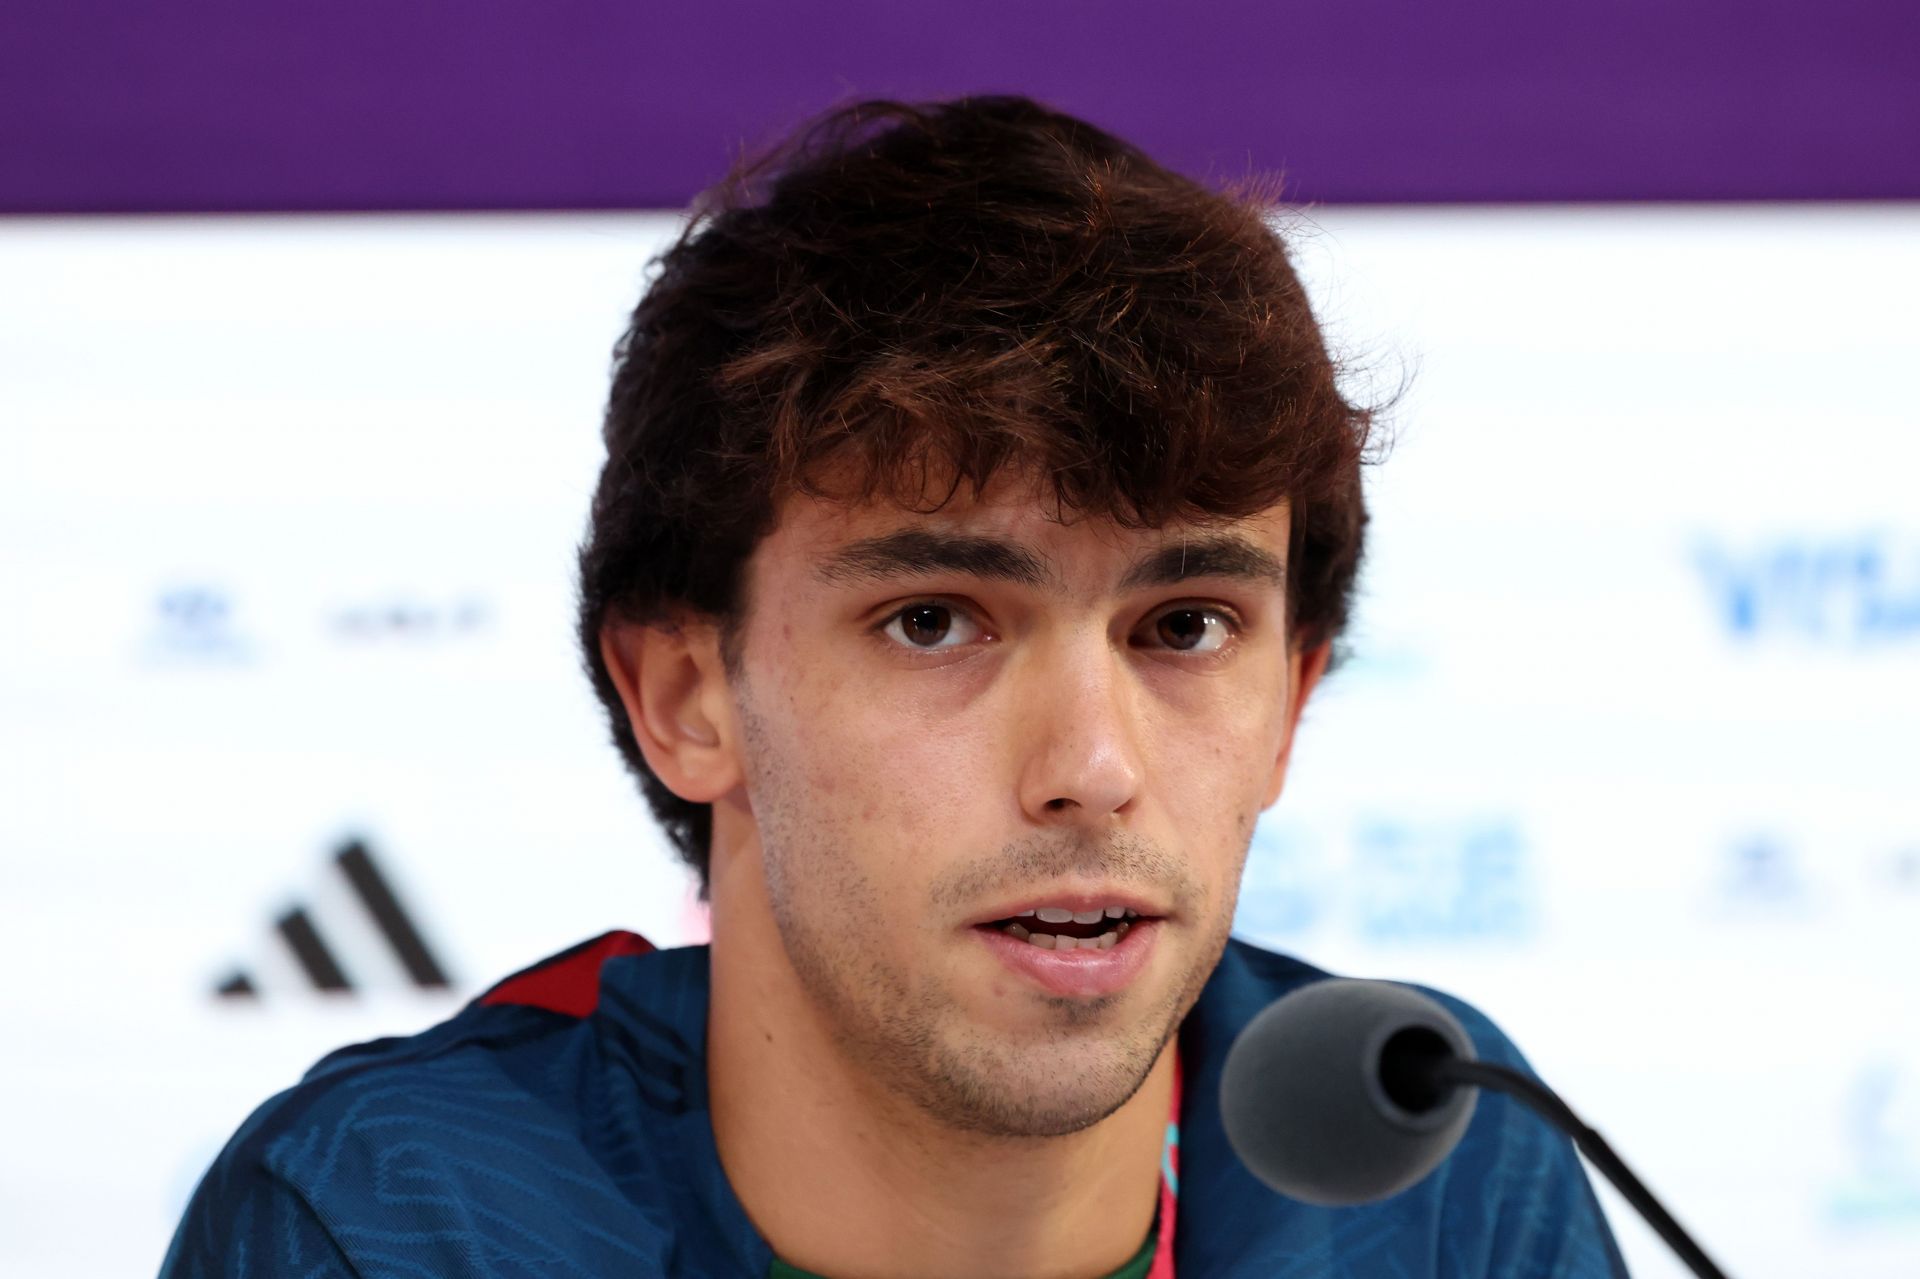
{"x": 1049, "y": 1085}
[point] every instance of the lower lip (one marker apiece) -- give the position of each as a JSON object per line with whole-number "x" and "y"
{"x": 1076, "y": 974}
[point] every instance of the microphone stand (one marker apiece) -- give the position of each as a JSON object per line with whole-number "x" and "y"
{"x": 1456, "y": 1072}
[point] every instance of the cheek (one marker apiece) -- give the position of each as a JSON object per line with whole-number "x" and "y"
{"x": 1214, "y": 758}
{"x": 919, "y": 782}
{"x": 1209, "y": 775}
{"x": 873, "y": 765}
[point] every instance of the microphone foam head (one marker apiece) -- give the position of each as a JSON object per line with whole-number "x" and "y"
{"x": 1308, "y": 1108}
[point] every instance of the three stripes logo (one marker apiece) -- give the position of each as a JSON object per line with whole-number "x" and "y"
{"x": 353, "y": 933}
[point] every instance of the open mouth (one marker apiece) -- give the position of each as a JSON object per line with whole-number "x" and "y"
{"x": 1055, "y": 928}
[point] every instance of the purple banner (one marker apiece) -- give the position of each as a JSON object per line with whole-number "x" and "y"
{"x": 238, "y": 105}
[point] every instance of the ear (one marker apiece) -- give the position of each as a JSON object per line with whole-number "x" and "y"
{"x": 673, "y": 684}
{"x": 1304, "y": 669}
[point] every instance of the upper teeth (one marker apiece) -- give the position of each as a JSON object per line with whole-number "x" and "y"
{"x": 1061, "y": 915}
{"x": 1065, "y": 941}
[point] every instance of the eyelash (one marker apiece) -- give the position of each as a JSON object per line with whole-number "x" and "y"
{"x": 1234, "y": 626}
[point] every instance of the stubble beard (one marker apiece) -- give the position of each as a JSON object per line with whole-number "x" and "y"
{"x": 1089, "y": 1058}
{"x": 899, "y": 1029}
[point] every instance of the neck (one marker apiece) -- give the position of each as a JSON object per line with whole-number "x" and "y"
{"x": 811, "y": 1142}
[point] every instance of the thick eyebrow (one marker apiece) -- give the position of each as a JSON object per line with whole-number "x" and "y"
{"x": 1216, "y": 555}
{"x": 921, "y": 553}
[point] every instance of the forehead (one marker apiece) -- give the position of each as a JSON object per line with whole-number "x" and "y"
{"x": 1013, "y": 531}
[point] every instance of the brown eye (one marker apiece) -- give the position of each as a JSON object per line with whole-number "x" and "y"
{"x": 930, "y": 626}
{"x": 1192, "y": 630}
{"x": 925, "y": 624}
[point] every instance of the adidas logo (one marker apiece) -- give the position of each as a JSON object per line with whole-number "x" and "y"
{"x": 352, "y": 934}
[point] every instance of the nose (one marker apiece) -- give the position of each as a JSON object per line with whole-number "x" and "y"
{"x": 1078, "y": 732}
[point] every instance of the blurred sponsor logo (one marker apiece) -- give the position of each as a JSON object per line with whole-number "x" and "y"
{"x": 1881, "y": 1131}
{"x": 1857, "y": 590}
{"x": 353, "y": 933}
{"x": 1285, "y": 888}
{"x": 1771, "y": 876}
{"x": 194, "y": 622}
{"x": 1392, "y": 880}
{"x": 1760, "y": 871}
{"x": 1439, "y": 882}
{"x": 407, "y": 618}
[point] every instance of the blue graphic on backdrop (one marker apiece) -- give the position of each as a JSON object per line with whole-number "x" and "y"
{"x": 1761, "y": 870}
{"x": 1881, "y": 1129}
{"x": 194, "y": 622}
{"x": 1393, "y": 880}
{"x": 1856, "y": 590}
{"x": 1424, "y": 882}
{"x": 1284, "y": 889}
{"x": 1774, "y": 876}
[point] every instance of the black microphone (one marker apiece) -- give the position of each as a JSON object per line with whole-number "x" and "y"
{"x": 1347, "y": 1091}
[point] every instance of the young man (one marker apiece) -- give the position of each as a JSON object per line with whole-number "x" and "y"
{"x": 979, "y": 514}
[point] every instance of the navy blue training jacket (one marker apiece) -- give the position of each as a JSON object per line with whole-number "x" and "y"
{"x": 558, "y": 1126}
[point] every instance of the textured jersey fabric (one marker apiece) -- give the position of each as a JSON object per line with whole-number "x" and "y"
{"x": 558, "y": 1126}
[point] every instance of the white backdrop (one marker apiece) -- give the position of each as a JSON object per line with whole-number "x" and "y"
{"x": 1626, "y": 754}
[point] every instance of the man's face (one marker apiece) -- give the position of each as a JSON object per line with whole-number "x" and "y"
{"x": 952, "y": 722}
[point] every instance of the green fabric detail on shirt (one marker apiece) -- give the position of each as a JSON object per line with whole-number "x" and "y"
{"x": 1134, "y": 1269}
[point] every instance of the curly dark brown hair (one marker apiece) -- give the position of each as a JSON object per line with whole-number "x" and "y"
{"x": 970, "y": 286}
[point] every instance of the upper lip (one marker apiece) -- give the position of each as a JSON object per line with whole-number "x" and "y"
{"x": 1070, "y": 899}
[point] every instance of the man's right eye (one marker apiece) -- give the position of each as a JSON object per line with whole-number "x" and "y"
{"x": 930, "y": 626}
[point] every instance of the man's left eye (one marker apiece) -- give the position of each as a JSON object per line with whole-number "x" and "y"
{"x": 1193, "y": 630}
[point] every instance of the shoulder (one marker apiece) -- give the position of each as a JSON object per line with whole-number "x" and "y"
{"x": 1512, "y": 1198}
{"x": 492, "y": 1130}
